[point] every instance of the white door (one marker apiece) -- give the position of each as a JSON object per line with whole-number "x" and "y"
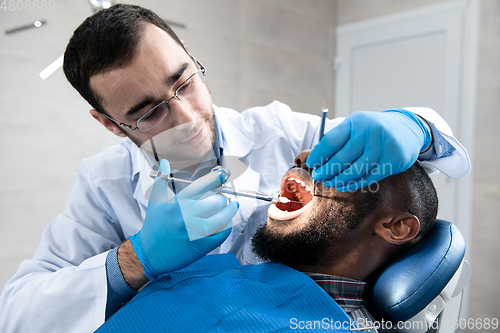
{"x": 414, "y": 58}
{"x": 425, "y": 57}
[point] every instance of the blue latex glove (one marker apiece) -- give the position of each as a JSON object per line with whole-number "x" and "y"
{"x": 181, "y": 230}
{"x": 367, "y": 147}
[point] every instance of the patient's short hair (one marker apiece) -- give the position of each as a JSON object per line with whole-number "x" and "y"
{"x": 414, "y": 190}
{"x": 411, "y": 191}
{"x": 108, "y": 39}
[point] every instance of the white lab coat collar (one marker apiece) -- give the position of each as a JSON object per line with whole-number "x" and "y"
{"x": 236, "y": 144}
{"x": 145, "y": 182}
{"x": 233, "y": 141}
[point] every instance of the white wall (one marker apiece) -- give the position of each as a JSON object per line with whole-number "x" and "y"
{"x": 485, "y": 247}
{"x": 484, "y": 295}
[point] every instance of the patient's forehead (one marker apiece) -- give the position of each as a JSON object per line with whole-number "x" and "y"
{"x": 322, "y": 191}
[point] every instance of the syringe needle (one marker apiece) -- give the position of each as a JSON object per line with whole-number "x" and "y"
{"x": 274, "y": 197}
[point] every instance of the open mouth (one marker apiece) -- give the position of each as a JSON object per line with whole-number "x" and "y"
{"x": 297, "y": 185}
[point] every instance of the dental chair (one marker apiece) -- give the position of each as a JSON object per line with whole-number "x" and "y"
{"x": 422, "y": 288}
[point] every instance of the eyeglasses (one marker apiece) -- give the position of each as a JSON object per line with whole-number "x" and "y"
{"x": 154, "y": 116}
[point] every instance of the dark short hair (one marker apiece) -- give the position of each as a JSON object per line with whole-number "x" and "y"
{"x": 411, "y": 190}
{"x": 106, "y": 40}
{"x": 414, "y": 191}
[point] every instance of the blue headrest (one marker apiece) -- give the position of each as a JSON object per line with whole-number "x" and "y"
{"x": 414, "y": 278}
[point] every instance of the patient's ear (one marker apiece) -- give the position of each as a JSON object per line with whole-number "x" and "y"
{"x": 399, "y": 228}
{"x": 110, "y": 126}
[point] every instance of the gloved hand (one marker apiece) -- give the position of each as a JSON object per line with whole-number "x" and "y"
{"x": 367, "y": 147}
{"x": 181, "y": 230}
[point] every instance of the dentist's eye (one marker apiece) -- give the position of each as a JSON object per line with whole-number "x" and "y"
{"x": 156, "y": 114}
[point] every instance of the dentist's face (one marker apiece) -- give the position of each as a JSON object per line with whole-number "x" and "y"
{"x": 158, "y": 68}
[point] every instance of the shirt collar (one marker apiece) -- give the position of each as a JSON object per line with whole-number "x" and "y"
{"x": 137, "y": 158}
{"x": 232, "y": 140}
{"x": 348, "y": 293}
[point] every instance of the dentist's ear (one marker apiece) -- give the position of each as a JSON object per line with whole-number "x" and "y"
{"x": 110, "y": 126}
{"x": 399, "y": 228}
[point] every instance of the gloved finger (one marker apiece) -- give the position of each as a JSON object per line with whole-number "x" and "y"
{"x": 207, "y": 244}
{"x": 205, "y": 207}
{"x": 159, "y": 193}
{"x": 202, "y": 227}
{"x": 360, "y": 168}
{"x": 387, "y": 166}
{"x": 342, "y": 160}
{"x": 204, "y": 184}
{"x": 331, "y": 142}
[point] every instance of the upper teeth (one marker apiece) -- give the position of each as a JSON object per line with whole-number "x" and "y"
{"x": 298, "y": 181}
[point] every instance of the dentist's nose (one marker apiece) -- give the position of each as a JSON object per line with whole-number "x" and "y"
{"x": 184, "y": 116}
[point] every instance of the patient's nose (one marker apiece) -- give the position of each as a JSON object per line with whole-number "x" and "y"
{"x": 302, "y": 157}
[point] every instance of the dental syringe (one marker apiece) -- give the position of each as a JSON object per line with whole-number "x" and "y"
{"x": 272, "y": 197}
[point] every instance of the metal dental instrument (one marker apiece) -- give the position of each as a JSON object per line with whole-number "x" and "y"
{"x": 323, "y": 120}
{"x": 272, "y": 197}
{"x": 322, "y": 129}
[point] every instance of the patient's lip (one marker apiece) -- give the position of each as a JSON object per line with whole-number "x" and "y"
{"x": 295, "y": 175}
{"x": 281, "y": 215}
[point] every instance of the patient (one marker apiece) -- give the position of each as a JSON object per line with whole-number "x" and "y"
{"x": 337, "y": 239}
{"x": 340, "y": 239}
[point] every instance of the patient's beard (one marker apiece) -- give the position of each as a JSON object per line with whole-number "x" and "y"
{"x": 305, "y": 247}
{"x": 312, "y": 245}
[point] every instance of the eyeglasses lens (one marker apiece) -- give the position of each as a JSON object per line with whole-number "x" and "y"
{"x": 159, "y": 112}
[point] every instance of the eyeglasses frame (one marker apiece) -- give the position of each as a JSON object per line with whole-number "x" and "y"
{"x": 130, "y": 127}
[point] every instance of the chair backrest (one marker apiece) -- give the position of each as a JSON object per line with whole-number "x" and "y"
{"x": 414, "y": 288}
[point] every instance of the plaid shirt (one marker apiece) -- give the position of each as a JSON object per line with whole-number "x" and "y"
{"x": 348, "y": 294}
